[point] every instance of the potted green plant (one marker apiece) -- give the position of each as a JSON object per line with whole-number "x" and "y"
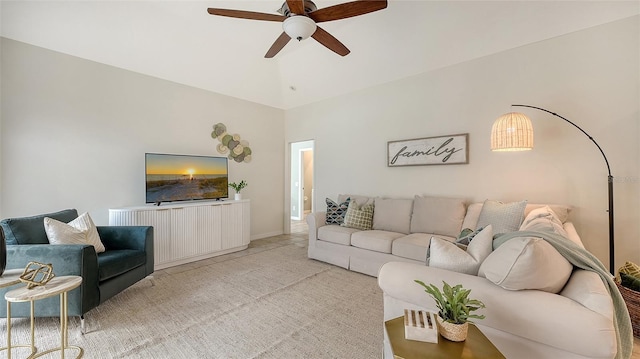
{"x": 454, "y": 309}
{"x": 238, "y": 187}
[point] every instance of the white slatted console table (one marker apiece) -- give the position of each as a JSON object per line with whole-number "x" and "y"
{"x": 187, "y": 232}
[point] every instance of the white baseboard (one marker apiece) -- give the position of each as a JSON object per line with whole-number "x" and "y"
{"x": 266, "y": 235}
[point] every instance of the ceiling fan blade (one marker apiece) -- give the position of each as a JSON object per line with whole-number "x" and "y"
{"x": 296, "y": 6}
{"x": 349, "y": 9}
{"x": 277, "y": 45}
{"x": 251, "y": 15}
{"x": 330, "y": 42}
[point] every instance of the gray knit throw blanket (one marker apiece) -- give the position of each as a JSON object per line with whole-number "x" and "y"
{"x": 583, "y": 259}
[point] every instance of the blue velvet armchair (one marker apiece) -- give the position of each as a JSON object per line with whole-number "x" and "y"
{"x": 128, "y": 258}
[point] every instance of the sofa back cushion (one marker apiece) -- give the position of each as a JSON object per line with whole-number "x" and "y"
{"x": 473, "y": 212}
{"x": 393, "y": 215}
{"x": 437, "y": 215}
{"x": 543, "y": 219}
{"x": 30, "y": 230}
{"x": 360, "y": 200}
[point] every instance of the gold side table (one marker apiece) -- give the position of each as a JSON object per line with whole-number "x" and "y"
{"x": 12, "y": 277}
{"x": 57, "y": 285}
{"x": 477, "y": 346}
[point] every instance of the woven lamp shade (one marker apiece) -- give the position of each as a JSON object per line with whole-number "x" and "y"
{"x": 512, "y": 132}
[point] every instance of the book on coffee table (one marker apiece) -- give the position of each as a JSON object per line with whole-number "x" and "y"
{"x": 475, "y": 347}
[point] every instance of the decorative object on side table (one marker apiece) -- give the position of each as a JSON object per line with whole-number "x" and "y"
{"x": 455, "y": 309}
{"x": 420, "y": 325}
{"x": 238, "y": 187}
{"x": 36, "y": 274}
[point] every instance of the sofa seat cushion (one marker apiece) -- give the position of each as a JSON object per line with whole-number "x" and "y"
{"x": 115, "y": 262}
{"x": 414, "y": 246}
{"x": 378, "y": 241}
{"x": 336, "y": 234}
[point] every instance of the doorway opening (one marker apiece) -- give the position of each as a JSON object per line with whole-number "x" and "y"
{"x": 302, "y": 193}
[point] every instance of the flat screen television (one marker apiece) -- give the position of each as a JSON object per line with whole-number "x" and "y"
{"x": 185, "y": 177}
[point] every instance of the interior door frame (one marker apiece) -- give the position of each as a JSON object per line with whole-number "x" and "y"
{"x": 288, "y": 182}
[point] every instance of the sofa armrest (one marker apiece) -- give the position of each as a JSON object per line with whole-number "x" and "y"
{"x": 129, "y": 237}
{"x": 66, "y": 259}
{"x": 316, "y": 220}
{"x": 543, "y": 317}
{"x": 572, "y": 234}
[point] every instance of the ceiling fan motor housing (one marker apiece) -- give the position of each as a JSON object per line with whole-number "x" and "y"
{"x": 299, "y": 27}
{"x": 309, "y": 6}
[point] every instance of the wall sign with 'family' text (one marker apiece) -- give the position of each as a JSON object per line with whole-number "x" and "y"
{"x": 442, "y": 150}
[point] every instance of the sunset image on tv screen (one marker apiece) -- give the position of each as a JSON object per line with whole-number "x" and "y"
{"x": 183, "y": 177}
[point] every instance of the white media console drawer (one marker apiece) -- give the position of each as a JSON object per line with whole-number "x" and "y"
{"x": 190, "y": 231}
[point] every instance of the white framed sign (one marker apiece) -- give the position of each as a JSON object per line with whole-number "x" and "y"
{"x": 441, "y": 150}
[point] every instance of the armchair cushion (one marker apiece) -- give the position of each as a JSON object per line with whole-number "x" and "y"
{"x": 115, "y": 262}
{"x": 30, "y": 230}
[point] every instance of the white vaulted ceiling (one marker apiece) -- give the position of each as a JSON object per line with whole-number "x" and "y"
{"x": 179, "y": 41}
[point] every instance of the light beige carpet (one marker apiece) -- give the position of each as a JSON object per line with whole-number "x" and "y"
{"x": 268, "y": 302}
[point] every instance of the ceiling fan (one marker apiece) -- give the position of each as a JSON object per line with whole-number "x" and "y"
{"x": 299, "y": 19}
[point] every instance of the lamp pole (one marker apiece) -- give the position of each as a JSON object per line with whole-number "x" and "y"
{"x": 609, "y": 182}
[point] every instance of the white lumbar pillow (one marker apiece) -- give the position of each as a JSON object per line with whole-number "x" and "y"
{"x": 81, "y": 230}
{"x": 447, "y": 255}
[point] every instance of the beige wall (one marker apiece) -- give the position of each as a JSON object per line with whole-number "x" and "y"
{"x": 591, "y": 77}
{"x": 74, "y": 134}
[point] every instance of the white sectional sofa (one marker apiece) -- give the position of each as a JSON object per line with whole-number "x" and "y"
{"x": 573, "y": 318}
{"x": 523, "y": 324}
{"x": 402, "y": 230}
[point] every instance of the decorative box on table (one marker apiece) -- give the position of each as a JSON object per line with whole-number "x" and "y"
{"x": 420, "y": 325}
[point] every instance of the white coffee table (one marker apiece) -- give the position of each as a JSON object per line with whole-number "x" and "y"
{"x": 57, "y": 285}
{"x": 12, "y": 277}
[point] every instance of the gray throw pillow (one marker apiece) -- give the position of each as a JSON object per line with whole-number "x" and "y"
{"x": 504, "y": 217}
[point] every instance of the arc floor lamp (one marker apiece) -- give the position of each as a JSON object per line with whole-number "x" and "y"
{"x": 513, "y": 132}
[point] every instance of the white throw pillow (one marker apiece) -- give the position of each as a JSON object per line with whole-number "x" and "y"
{"x": 447, "y": 255}
{"x": 543, "y": 219}
{"x": 81, "y": 230}
{"x": 527, "y": 263}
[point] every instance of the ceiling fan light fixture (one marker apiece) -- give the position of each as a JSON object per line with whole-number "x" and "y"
{"x": 299, "y": 27}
